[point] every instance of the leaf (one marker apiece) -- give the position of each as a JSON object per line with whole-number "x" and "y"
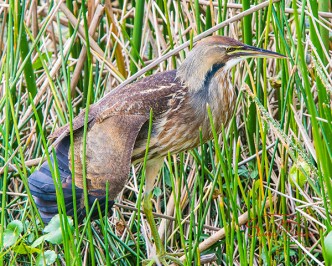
{"x": 157, "y": 191}
{"x": 328, "y": 247}
{"x": 167, "y": 179}
{"x": 297, "y": 174}
{"x": 46, "y": 258}
{"x": 16, "y": 225}
{"x": 242, "y": 171}
{"x": 53, "y": 230}
{"x": 54, "y": 237}
{"x": 255, "y": 188}
{"x": 12, "y": 233}
{"x": 31, "y": 237}
{"x": 38, "y": 241}
{"x": 25, "y": 249}
{"x": 54, "y": 224}
{"x": 254, "y": 174}
{"x": 38, "y": 63}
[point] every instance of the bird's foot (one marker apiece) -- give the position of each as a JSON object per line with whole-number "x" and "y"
{"x": 159, "y": 257}
{"x": 162, "y": 260}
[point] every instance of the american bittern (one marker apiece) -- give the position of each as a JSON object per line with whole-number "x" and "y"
{"x": 118, "y": 127}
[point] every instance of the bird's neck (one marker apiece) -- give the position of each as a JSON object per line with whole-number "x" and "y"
{"x": 215, "y": 90}
{"x": 221, "y": 97}
{"x": 210, "y": 87}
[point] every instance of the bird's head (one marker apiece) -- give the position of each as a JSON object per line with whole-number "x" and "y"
{"x": 213, "y": 54}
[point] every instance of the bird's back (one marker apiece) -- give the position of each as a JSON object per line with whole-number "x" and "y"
{"x": 152, "y": 92}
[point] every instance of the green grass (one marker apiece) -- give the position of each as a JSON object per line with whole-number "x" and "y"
{"x": 232, "y": 197}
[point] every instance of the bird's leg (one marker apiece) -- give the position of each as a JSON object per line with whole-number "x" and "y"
{"x": 152, "y": 170}
{"x": 147, "y": 206}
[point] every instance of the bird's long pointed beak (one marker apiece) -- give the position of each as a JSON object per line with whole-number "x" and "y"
{"x": 252, "y": 51}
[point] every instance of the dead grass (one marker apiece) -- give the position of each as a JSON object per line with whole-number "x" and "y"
{"x": 236, "y": 203}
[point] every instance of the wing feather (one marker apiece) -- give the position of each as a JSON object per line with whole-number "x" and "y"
{"x": 109, "y": 148}
{"x": 136, "y": 98}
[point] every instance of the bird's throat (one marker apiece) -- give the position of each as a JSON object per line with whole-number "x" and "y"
{"x": 211, "y": 73}
{"x": 216, "y": 92}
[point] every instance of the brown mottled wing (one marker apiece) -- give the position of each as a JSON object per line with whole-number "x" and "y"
{"x": 136, "y": 98}
{"x": 109, "y": 148}
{"x": 78, "y": 123}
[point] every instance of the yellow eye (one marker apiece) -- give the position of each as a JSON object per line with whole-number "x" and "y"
{"x": 230, "y": 49}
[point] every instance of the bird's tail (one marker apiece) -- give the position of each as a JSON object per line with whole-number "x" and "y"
{"x": 43, "y": 189}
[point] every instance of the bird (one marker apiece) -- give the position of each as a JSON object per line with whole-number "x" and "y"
{"x": 118, "y": 129}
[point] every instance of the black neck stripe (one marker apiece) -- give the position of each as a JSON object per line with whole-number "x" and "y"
{"x": 202, "y": 96}
{"x": 209, "y": 75}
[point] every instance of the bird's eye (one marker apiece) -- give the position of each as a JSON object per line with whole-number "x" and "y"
{"x": 230, "y": 49}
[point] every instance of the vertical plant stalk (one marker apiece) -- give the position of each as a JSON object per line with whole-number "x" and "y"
{"x": 139, "y": 199}
{"x": 169, "y": 31}
{"x": 28, "y": 72}
{"x": 137, "y": 34}
{"x": 250, "y": 118}
{"x": 3, "y": 180}
{"x": 120, "y": 62}
{"x": 85, "y": 131}
{"x": 197, "y": 17}
{"x": 81, "y": 59}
